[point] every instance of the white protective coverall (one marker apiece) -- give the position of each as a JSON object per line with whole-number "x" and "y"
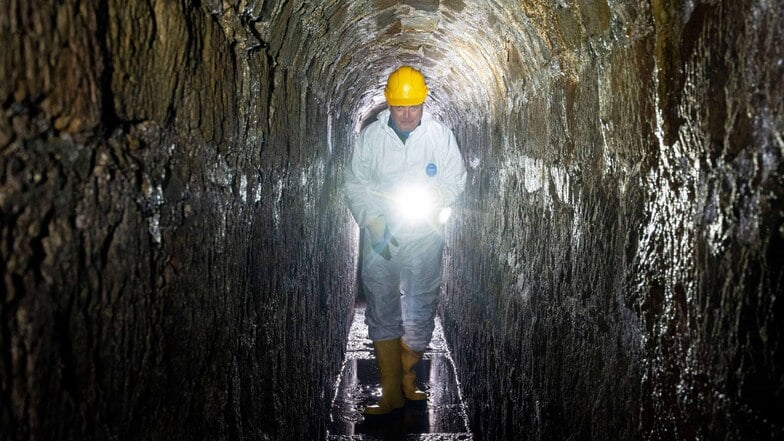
{"x": 380, "y": 165}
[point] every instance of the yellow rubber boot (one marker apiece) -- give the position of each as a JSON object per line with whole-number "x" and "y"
{"x": 391, "y": 371}
{"x": 409, "y": 359}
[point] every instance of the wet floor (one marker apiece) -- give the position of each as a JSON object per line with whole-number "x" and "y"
{"x": 442, "y": 418}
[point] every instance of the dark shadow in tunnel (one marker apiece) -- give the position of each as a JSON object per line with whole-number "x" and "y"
{"x": 372, "y": 116}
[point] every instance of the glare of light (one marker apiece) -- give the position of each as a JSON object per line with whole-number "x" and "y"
{"x": 443, "y": 215}
{"x": 414, "y": 203}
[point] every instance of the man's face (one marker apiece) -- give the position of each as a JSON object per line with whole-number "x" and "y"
{"x": 406, "y": 118}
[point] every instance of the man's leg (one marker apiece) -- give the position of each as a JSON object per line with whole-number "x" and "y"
{"x": 421, "y": 280}
{"x": 381, "y": 280}
{"x": 383, "y": 316}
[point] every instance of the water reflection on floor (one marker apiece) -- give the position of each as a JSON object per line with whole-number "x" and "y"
{"x": 442, "y": 418}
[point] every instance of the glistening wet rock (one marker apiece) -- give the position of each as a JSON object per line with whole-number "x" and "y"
{"x": 178, "y": 262}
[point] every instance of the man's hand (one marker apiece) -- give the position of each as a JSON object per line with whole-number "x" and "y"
{"x": 380, "y": 237}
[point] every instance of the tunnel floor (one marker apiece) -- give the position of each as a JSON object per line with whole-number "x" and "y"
{"x": 442, "y": 418}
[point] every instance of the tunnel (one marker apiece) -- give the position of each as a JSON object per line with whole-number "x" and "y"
{"x": 179, "y": 262}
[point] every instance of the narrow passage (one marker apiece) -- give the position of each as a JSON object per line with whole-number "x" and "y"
{"x": 443, "y": 418}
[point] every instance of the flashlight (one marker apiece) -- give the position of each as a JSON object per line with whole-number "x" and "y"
{"x": 414, "y": 203}
{"x": 417, "y": 204}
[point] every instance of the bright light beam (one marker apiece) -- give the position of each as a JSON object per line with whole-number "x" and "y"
{"x": 414, "y": 204}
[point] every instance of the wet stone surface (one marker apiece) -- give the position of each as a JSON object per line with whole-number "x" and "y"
{"x": 443, "y": 417}
{"x": 178, "y": 262}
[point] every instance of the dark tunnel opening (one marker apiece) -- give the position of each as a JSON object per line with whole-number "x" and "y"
{"x": 179, "y": 263}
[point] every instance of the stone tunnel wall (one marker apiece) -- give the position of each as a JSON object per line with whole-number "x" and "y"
{"x": 177, "y": 259}
{"x": 618, "y": 270}
{"x": 167, "y": 191}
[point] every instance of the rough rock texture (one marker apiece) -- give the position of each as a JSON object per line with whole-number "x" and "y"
{"x": 178, "y": 262}
{"x": 620, "y": 257}
{"x": 173, "y": 243}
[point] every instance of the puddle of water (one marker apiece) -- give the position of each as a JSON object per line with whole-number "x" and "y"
{"x": 443, "y": 417}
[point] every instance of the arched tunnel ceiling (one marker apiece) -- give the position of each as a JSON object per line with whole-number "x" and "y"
{"x": 470, "y": 52}
{"x": 172, "y": 217}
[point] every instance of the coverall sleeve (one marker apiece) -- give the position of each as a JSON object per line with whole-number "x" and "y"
{"x": 360, "y": 189}
{"x": 453, "y": 178}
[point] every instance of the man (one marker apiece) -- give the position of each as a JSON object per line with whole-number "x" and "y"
{"x": 406, "y": 170}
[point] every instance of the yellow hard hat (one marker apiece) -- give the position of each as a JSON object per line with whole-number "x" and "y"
{"x": 406, "y": 87}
